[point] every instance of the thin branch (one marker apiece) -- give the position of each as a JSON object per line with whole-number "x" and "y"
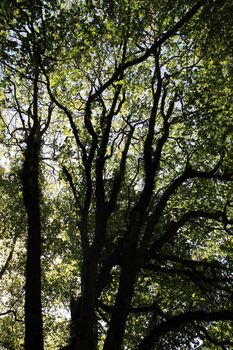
{"x": 47, "y": 122}
{"x": 72, "y": 186}
{"x": 11, "y": 312}
{"x": 9, "y": 258}
{"x": 119, "y": 176}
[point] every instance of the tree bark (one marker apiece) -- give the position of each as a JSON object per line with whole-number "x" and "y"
{"x": 31, "y": 196}
{"x": 83, "y": 328}
{"x": 120, "y": 313}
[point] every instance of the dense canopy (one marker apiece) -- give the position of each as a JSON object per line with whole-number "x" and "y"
{"x": 116, "y": 174}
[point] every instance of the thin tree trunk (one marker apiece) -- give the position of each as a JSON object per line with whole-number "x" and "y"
{"x": 31, "y": 195}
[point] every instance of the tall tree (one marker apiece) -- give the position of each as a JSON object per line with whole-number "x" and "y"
{"x": 23, "y": 29}
{"x": 119, "y": 124}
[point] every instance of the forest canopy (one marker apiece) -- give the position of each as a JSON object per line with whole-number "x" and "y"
{"x": 116, "y": 175}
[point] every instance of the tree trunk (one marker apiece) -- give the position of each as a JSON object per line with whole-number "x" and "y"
{"x": 87, "y": 324}
{"x": 31, "y": 195}
{"x": 117, "y": 325}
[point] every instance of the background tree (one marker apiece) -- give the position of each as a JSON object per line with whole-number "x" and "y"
{"x": 21, "y": 32}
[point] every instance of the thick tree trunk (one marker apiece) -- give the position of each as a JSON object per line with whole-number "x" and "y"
{"x": 87, "y": 332}
{"x": 31, "y": 195}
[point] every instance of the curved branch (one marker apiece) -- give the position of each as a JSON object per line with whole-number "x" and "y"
{"x": 8, "y": 312}
{"x": 179, "y": 321}
{"x": 211, "y": 339}
{"x": 136, "y": 309}
{"x": 189, "y": 173}
{"x": 175, "y": 226}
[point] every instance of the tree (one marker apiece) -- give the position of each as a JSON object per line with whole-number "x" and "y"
{"x": 24, "y": 37}
{"x": 141, "y": 138}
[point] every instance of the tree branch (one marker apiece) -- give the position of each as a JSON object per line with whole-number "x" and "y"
{"x": 175, "y": 226}
{"x": 179, "y": 321}
{"x": 163, "y": 38}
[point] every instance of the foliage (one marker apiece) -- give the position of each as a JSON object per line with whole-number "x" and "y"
{"x": 134, "y": 109}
